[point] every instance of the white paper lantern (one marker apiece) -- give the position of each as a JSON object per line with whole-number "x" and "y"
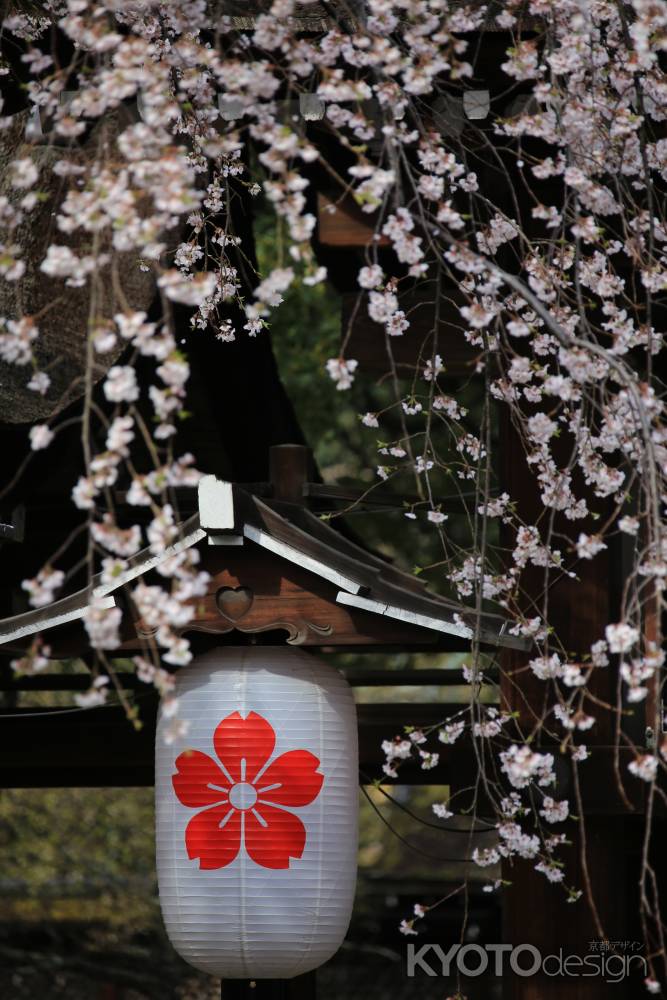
{"x": 256, "y": 813}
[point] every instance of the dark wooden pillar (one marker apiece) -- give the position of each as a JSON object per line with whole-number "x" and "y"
{"x": 604, "y": 849}
{"x": 289, "y": 467}
{"x": 299, "y": 988}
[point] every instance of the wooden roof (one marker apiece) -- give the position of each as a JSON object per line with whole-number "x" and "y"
{"x": 229, "y": 515}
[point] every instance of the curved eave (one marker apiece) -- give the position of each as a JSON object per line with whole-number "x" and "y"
{"x": 229, "y": 515}
{"x": 73, "y": 607}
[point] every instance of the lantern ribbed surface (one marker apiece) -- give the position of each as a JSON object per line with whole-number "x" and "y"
{"x": 256, "y": 813}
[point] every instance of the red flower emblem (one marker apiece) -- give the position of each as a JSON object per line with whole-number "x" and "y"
{"x": 246, "y": 795}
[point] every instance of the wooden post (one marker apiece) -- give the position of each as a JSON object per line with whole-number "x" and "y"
{"x": 604, "y": 849}
{"x": 249, "y": 989}
{"x": 288, "y": 470}
{"x": 299, "y": 988}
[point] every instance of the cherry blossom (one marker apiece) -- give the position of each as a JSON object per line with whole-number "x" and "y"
{"x": 522, "y": 765}
{"x": 96, "y": 695}
{"x": 35, "y": 660}
{"x": 41, "y": 436}
{"x": 42, "y": 588}
{"x": 102, "y": 624}
{"x": 644, "y": 767}
{"x": 121, "y": 385}
{"x": 341, "y": 370}
{"x": 554, "y": 812}
{"x": 621, "y": 637}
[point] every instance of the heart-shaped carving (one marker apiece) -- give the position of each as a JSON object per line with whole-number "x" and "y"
{"x": 234, "y": 602}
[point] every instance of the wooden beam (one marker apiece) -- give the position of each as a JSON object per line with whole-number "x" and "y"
{"x": 378, "y": 497}
{"x": 355, "y": 676}
{"x": 99, "y": 747}
{"x": 341, "y": 223}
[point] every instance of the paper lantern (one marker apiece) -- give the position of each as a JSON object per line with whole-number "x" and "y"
{"x": 256, "y": 813}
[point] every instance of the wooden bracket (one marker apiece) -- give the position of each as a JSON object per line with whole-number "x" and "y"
{"x": 252, "y": 590}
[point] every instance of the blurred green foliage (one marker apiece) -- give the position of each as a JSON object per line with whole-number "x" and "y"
{"x": 66, "y": 852}
{"x": 305, "y": 333}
